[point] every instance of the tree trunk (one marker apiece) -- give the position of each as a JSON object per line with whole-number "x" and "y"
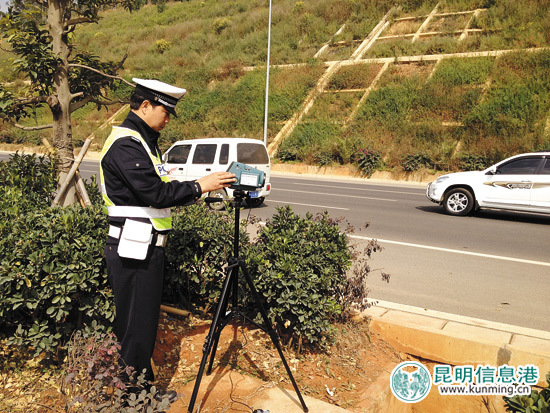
{"x": 60, "y": 101}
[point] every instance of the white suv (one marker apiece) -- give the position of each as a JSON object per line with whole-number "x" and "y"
{"x": 520, "y": 183}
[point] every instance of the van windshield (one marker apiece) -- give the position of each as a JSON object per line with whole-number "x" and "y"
{"x": 252, "y": 153}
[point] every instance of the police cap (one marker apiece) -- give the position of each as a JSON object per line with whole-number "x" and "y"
{"x": 159, "y": 92}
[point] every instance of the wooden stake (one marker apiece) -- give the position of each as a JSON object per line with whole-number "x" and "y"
{"x": 72, "y": 172}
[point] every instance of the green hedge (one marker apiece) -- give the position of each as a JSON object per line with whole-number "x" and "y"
{"x": 300, "y": 266}
{"x": 53, "y": 275}
{"x": 52, "y": 272}
{"x": 199, "y": 245}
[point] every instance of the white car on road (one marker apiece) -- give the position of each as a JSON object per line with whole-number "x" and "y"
{"x": 519, "y": 183}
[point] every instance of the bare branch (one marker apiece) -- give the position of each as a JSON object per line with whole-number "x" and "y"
{"x": 121, "y": 63}
{"x": 30, "y": 101}
{"x": 75, "y": 95}
{"x": 109, "y": 102}
{"x": 77, "y": 105}
{"x": 78, "y": 20}
{"x": 33, "y": 128}
{"x": 81, "y": 103}
{"x": 101, "y": 73}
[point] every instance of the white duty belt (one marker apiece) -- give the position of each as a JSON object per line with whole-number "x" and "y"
{"x": 115, "y": 232}
{"x": 137, "y": 212}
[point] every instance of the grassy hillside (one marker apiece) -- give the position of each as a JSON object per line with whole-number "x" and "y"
{"x": 455, "y": 113}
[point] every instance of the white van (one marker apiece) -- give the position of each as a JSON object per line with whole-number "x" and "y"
{"x": 194, "y": 158}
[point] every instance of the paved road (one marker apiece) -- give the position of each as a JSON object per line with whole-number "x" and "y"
{"x": 494, "y": 265}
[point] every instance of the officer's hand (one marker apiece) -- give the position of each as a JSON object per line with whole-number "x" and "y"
{"x": 217, "y": 180}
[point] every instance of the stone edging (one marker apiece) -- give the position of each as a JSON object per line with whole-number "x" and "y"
{"x": 457, "y": 340}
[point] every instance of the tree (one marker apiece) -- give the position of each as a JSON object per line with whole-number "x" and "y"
{"x": 40, "y": 34}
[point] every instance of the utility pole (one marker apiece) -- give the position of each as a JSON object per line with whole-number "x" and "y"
{"x": 267, "y": 74}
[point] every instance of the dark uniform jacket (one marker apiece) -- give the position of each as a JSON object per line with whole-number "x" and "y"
{"x": 130, "y": 177}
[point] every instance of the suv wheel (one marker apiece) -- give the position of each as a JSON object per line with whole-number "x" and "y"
{"x": 459, "y": 201}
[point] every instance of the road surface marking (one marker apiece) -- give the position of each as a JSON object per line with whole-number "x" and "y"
{"x": 476, "y": 254}
{"x": 364, "y": 189}
{"x": 311, "y": 205}
{"x": 340, "y": 196}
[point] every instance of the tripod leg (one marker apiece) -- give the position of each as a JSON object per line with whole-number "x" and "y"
{"x": 272, "y": 333}
{"x": 222, "y": 304}
{"x": 232, "y": 274}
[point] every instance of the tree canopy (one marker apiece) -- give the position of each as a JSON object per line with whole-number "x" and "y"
{"x": 40, "y": 35}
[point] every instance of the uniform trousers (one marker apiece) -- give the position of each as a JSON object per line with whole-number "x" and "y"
{"x": 137, "y": 287}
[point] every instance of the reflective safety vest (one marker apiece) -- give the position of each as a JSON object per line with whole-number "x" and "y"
{"x": 159, "y": 217}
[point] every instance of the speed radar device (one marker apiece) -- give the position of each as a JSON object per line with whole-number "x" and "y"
{"x": 248, "y": 177}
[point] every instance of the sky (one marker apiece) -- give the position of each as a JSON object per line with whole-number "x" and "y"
{"x": 4, "y": 5}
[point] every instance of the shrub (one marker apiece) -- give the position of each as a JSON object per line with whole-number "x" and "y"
{"x": 33, "y": 175}
{"x": 93, "y": 379}
{"x": 368, "y": 161}
{"x": 536, "y": 402}
{"x": 299, "y": 265}
{"x": 219, "y": 24}
{"x": 415, "y": 161}
{"x": 287, "y": 152}
{"x": 474, "y": 162}
{"x": 323, "y": 158}
{"x": 52, "y": 275}
{"x": 161, "y": 5}
{"x": 163, "y": 45}
{"x": 200, "y": 244}
{"x": 298, "y": 7}
{"x": 303, "y": 268}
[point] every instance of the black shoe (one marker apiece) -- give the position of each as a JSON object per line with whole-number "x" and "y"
{"x": 171, "y": 395}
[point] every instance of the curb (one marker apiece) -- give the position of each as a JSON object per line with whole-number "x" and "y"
{"x": 458, "y": 340}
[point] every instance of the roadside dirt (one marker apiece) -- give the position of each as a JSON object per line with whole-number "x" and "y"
{"x": 338, "y": 376}
{"x": 344, "y": 375}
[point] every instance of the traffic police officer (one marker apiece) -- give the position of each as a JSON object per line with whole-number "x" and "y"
{"x": 138, "y": 194}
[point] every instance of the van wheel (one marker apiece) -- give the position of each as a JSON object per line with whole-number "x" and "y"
{"x": 218, "y": 193}
{"x": 254, "y": 202}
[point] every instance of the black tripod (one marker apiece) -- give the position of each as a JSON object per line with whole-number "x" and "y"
{"x": 222, "y": 316}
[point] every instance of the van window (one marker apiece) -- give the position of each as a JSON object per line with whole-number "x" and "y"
{"x": 252, "y": 153}
{"x": 205, "y": 153}
{"x": 224, "y": 154}
{"x": 179, "y": 154}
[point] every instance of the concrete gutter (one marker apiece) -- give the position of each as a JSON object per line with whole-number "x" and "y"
{"x": 457, "y": 340}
